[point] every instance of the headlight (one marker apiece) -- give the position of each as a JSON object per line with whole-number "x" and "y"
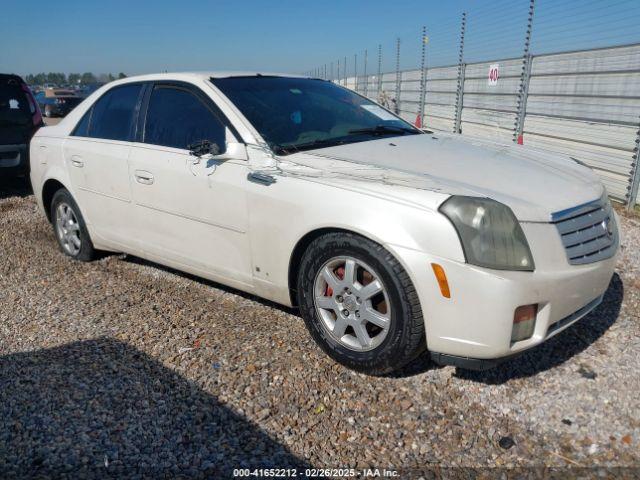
{"x": 490, "y": 233}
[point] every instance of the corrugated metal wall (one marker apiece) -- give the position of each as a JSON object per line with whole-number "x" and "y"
{"x": 409, "y": 105}
{"x": 585, "y": 104}
{"x": 490, "y": 110}
{"x": 440, "y": 100}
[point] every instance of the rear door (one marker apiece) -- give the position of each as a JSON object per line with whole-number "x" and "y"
{"x": 96, "y": 155}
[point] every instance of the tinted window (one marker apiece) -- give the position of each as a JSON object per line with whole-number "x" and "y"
{"x": 177, "y": 118}
{"x": 82, "y": 128}
{"x": 113, "y": 113}
{"x": 14, "y": 106}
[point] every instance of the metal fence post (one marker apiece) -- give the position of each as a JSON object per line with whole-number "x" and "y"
{"x": 338, "y": 78}
{"x": 379, "y": 72}
{"x": 457, "y": 127}
{"x": 331, "y": 74}
{"x": 355, "y": 71}
{"x": 523, "y": 91}
{"x": 423, "y": 77}
{"x": 634, "y": 178}
{"x": 397, "y": 108}
{"x": 366, "y": 79}
{"x": 345, "y": 71}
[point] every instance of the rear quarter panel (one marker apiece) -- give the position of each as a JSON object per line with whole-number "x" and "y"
{"x": 47, "y": 162}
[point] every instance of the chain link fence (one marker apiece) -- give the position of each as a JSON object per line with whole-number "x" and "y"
{"x": 562, "y": 76}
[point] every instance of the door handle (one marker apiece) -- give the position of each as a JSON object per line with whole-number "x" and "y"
{"x": 76, "y": 161}
{"x": 261, "y": 178}
{"x": 144, "y": 177}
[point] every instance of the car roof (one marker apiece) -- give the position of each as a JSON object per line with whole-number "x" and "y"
{"x": 205, "y": 75}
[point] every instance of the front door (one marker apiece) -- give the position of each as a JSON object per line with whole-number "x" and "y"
{"x": 191, "y": 212}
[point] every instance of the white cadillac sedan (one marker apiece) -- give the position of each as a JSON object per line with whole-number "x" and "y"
{"x": 390, "y": 240}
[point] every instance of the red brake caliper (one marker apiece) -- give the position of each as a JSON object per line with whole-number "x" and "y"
{"x": 340, "y": 274}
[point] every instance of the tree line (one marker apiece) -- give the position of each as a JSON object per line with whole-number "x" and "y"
{"x": 57, "y": 78}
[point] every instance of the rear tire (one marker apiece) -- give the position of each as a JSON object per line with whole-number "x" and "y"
{"x": 69, "y": 227}
{"x": 337, "y": 311}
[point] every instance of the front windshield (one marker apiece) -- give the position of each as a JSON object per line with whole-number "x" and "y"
{"x": 294, "y": 114}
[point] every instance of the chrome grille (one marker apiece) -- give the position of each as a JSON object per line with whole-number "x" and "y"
{"x": 589, "y": 232}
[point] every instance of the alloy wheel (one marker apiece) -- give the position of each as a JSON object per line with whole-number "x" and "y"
{"x": 68, "y": 229}
{"x": 352, "y": 303}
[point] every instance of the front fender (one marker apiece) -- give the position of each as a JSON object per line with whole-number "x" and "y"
{"x": 285, "y": 212}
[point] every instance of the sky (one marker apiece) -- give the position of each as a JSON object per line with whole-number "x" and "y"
{"x": 140, "y": 36}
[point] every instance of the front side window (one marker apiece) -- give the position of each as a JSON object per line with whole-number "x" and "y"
{"x": 178, "y": 118}
{"x": 294, "y": 114}
{"x": 114, "y": 113}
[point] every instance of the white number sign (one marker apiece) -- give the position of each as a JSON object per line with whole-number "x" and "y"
{"x": 494, "y": 74}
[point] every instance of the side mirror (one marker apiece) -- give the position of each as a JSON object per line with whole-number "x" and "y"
{"x": 202, "y": 148}
{"x": 233, "y": 150}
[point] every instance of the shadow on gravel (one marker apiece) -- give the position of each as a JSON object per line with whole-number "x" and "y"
{"x": 12, "y": 186}
{"x": 421, "y": 364}
{"x": 560, "y": 348}
{"x": 101, "y": 408}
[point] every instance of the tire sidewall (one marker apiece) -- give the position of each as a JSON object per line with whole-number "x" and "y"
{"x": 384, "y": 356}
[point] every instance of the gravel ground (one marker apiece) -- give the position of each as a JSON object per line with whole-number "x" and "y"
{"x": 126, "y": 368}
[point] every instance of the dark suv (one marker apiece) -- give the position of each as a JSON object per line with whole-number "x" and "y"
{"x": 20, "y": 117}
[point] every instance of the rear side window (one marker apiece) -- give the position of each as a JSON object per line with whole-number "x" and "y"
{"x": 177, "y": 118}
{"x": 82, "y": 128}
{"x": 113, "y": 114}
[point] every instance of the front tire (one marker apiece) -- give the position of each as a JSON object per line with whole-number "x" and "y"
{"x": 69, "y": 227}
{"x": 359, "y": 304}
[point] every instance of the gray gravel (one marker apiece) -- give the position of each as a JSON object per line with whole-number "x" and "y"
{"x": 126, "y": 368}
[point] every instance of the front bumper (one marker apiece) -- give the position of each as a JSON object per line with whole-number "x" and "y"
{"x": 474, "y": 325}
{"x": 14, "y": 158}
{"x": 482, "y": 364}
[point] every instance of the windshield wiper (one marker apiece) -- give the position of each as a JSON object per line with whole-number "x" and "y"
{"x": 384, "y": 129}
{"x": 298, "y": 147}
{"x": 330, "y": 142}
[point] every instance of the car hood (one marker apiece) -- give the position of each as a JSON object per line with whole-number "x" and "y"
{"x": 533, "y": 183}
